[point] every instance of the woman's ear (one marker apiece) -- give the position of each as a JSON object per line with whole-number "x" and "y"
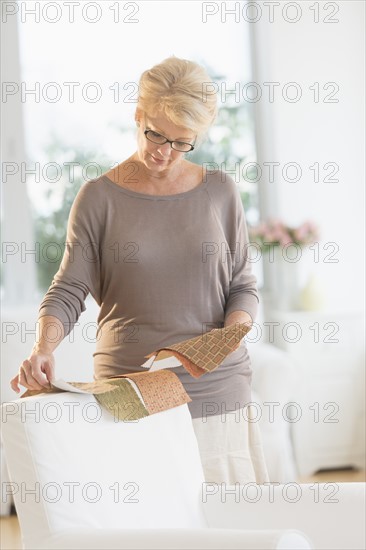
{"x": 138, "y": 116}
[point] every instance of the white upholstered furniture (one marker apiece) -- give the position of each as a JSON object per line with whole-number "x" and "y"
{"x": 80, "y": 479}
{"x": 327, "y": 351}
{"x": 272, "y": 379}
{"x": 273, "y": 389}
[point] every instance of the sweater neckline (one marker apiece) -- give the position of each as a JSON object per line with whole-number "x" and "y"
{"x": 147, "y": 196}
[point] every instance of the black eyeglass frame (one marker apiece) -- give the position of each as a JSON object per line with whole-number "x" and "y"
{"x": 168, "y": 141}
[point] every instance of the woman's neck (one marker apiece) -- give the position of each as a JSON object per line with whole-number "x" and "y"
{"x": 133, "y": 174}
{"x": 158, "y": 178}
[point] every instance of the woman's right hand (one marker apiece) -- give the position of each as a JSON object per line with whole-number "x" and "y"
{"x": 36, "y": 372}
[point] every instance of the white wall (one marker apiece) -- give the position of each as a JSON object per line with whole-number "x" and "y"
{"x": 306, "y": 132}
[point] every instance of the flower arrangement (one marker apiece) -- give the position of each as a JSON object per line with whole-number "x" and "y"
{"x": 275, "y": 233}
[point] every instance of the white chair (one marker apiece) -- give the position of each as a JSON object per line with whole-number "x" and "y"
{"x": 82, "y": 480}
{"x": 272, "y": 379}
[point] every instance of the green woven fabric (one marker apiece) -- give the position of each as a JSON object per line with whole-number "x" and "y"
{"x": 122, "y": 402}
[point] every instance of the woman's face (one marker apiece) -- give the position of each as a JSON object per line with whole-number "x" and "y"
{"x": 161, "y": 158}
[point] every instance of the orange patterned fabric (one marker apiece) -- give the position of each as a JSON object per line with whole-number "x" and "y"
{"x": 160, "y": 389}
{"x": 193, "y": 369}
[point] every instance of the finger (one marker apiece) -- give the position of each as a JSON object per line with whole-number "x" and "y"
{"x": 14, "y": 384}
{"x": 22, "y": 377}
{"x": 45, "y": 376}
{"x": 49, "y": 371}
{"x": 26, "y": 379}
{"x": 36, "y": 377}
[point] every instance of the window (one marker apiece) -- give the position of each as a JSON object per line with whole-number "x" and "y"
{"x": 80, "y": 69}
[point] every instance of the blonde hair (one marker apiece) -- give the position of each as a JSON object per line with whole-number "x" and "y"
{"x": 182, "y": 91}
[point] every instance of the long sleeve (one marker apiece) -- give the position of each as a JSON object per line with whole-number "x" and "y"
{"x": 79, "y": 272}
{"x": 243, "y": 294}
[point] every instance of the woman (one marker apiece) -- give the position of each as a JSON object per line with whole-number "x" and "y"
{"x": 160, "y": 243}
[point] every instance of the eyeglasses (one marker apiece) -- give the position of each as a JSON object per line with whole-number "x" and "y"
{"x": 181, "y": 146}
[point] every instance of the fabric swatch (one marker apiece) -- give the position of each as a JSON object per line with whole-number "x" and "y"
{"x": 160, "y": 389}
{"x": 193, "y": 369}
{"x": 206, "y": 352}
{"x": 122, "y": 401}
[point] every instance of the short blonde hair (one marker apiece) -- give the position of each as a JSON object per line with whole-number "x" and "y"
{"x": 182, "y": 91}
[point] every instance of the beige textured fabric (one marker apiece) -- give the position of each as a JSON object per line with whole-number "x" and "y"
{"x": 230, "y": 446}
{"x": 206, "y": 352}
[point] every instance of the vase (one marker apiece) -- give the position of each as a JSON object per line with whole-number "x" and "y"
{"x": 312, "y": 295}
{"x": 281, "y": 271}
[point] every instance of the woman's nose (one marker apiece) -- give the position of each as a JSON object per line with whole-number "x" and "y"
{"x": 164, "y": 149}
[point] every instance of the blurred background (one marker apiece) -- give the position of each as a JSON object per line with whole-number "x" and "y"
{"x": 290, "y": 125}
{"x": 290, "y": 131}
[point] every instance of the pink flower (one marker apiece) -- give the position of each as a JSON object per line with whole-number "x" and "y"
{"x": 275, "y": 231}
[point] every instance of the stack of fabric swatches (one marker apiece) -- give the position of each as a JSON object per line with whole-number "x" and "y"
{"x": 133, "y": 396}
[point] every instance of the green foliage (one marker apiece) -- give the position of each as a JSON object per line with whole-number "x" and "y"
{"x": 224, "y": 148}
{"x": 50, "y": 230}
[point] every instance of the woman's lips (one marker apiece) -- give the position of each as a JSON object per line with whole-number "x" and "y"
{"x": 158, "y": 161}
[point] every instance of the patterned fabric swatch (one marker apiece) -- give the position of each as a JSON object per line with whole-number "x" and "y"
{"x": 98, "y": 386}
{"x": 160, "y": 390}
{"x": 193, "y": 369}
{"x": 206, "y": 352}
{"x": 122, "y": 401}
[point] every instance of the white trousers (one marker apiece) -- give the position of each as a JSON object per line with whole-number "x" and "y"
{"x": 230, "y": 446}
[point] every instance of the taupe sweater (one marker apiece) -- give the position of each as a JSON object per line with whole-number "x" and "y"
{"x": 162, "y": 269}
